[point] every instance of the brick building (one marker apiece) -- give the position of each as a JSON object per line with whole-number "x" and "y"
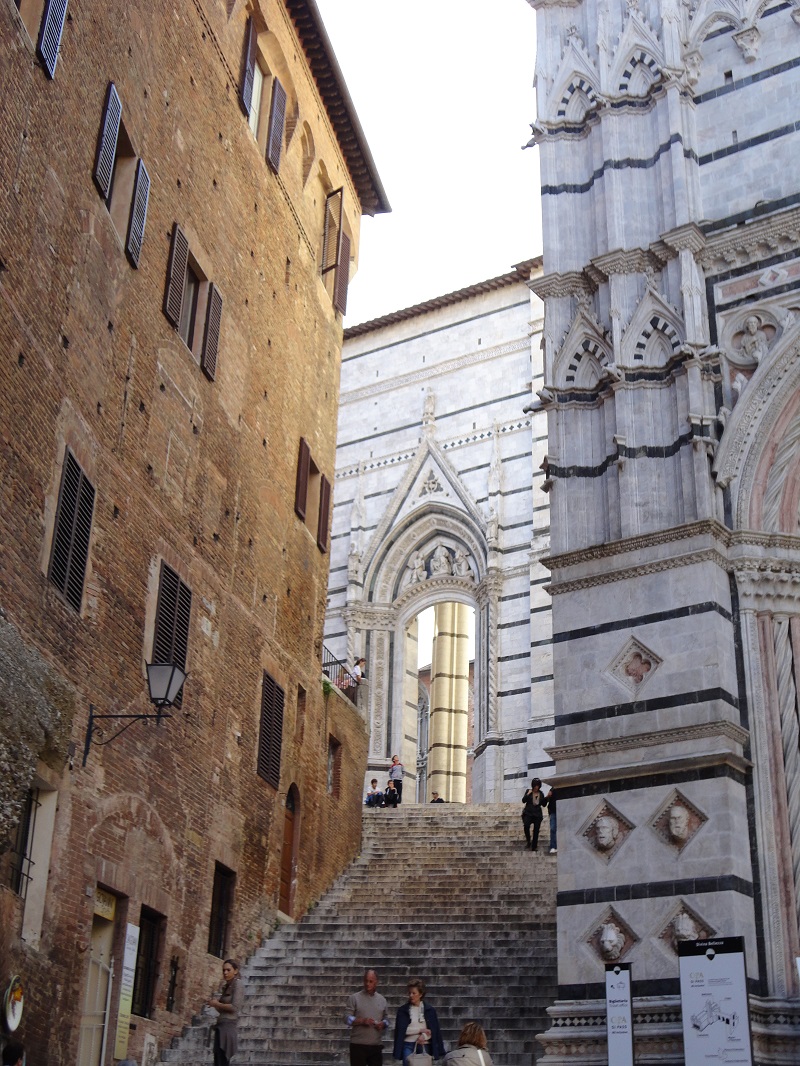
{"x": 180, "y": 195}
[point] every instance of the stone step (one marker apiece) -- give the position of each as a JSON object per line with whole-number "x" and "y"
{"x": 451, "y": 894}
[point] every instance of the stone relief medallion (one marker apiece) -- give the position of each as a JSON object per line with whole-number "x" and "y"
{"x": 611, "y": 938}
{"x": 677, "y": 821}
{"x": 606, "y": 831}
{"x": 633, "y": 666}
{"x": 684, "y": 924}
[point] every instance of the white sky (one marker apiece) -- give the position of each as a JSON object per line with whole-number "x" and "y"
{"x": 443, "y": 89}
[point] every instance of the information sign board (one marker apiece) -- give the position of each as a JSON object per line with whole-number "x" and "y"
{"x": 619, "y": 1013}
{"x": 716, "y": 1017}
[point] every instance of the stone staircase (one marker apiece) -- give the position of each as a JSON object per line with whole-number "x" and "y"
{"x": 447, "y": 893}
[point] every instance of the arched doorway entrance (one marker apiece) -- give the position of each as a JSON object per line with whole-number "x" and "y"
{"x": 291, "y": 837}
{"x": 445, "y": 638}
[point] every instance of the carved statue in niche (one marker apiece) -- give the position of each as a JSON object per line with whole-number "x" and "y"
{"x": 440, "y": 561}
{"x": 606, "y": 831}
{"x": 611, "y": 941}
{"x": 754, "y": 344}
{"x": 678, "y": 825}
{"x": 353, "y": 561}
{"x": 416, "y": 566}
{"x": 429, "y": 412}
{"x": 492, "y": 528}
{"x": 684, "y": 927}
{"x": 461, "y": 564}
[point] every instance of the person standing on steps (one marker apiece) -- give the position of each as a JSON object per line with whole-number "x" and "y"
{"x": 396, "y": 775}
{"x": 471, "y": 1050}
{"x": 534, "y": 803}
{"x": 229, "y": 1001}
{"x": 417, "y": 1024}
{"x": 367, "y": 1017}
{"x": 551, "y": 808}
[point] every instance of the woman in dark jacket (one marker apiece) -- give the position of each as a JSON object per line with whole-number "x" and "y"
{"x": 534, "y": 803}
{"x": 416, "y": 1023}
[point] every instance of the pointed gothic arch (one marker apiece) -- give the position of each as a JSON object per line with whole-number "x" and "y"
{"x": 759, "y": 454}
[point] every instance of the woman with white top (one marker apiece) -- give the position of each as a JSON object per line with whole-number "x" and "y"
{"x": 417, "y": 1024}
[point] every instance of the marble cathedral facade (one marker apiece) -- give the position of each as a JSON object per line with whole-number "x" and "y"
{"x": 434, "y": 497}
{"x": 670, "y": 167}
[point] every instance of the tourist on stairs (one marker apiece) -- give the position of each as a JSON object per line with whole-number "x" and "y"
{"x": 532, "y": 812}
{"x": 471, "y": 1050}
{"x": 416, "y": 1025}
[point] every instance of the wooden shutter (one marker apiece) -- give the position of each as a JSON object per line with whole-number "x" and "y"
{"x": 271, "y": 736}
{"x": 176, "y": 275}
{"x": 277, "y": 121}
{"x": 324, "y": 513}
{"x": 138, "y": 219}
{"x": 72, "y": 532}
{"x": 211, "y": 334}
{"x": 173, "y": 617}
{"x": 107, "y": 142}
{"x": 248, "y": 66}
{"x": 342, "y": 275}
{"x": 301, "y": 487}
{"x": 334, "y": 204}
{"x": 50, "y": 34}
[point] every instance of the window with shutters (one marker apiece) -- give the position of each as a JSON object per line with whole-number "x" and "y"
{"x": 270, "y": 738}
{"x": 221, "y": 910}
{"x": 312, "y": 500}
{"x": 193, "y": 304}
{"x": 148, "y": 954}
{"x": 44, "y": 21}
{"x": 173, "y": 617}
{"x": 72, "y": 531}
{"x": 260, "y": 88}
{"x": 336, "y": 246}
{"x": 121, "y": 178}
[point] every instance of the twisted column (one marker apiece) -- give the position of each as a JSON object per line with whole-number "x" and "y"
{"x": 790, "y": 739}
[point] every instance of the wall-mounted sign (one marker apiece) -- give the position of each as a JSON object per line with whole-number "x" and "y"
{"x": 105, "y": 904}
{"x": 126, "y": 991}
{"x": 13, "y": 1005}
{"x": 619, "y": 1013}
{"x": 716, "y": 1015}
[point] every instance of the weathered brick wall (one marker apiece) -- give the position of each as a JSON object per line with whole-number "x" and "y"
{"x": 199, "y": 473}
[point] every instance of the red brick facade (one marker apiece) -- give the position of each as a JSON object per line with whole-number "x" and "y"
{"x": 193, "y": 469}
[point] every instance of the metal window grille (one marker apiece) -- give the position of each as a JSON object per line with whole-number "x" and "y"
{"x": 21, "y": 863}
{"x": 146, "y": 977}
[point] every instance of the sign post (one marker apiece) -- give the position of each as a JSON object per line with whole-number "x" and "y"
{"x": 716, "y": 1015}
{"x": 126, "y": 991}
{"x": 619, "y": 1013}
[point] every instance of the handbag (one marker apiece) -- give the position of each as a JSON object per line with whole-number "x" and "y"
{"x": 419, "y": 1058}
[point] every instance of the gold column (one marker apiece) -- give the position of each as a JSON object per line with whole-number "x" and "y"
{"x": 447, "y": 753}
